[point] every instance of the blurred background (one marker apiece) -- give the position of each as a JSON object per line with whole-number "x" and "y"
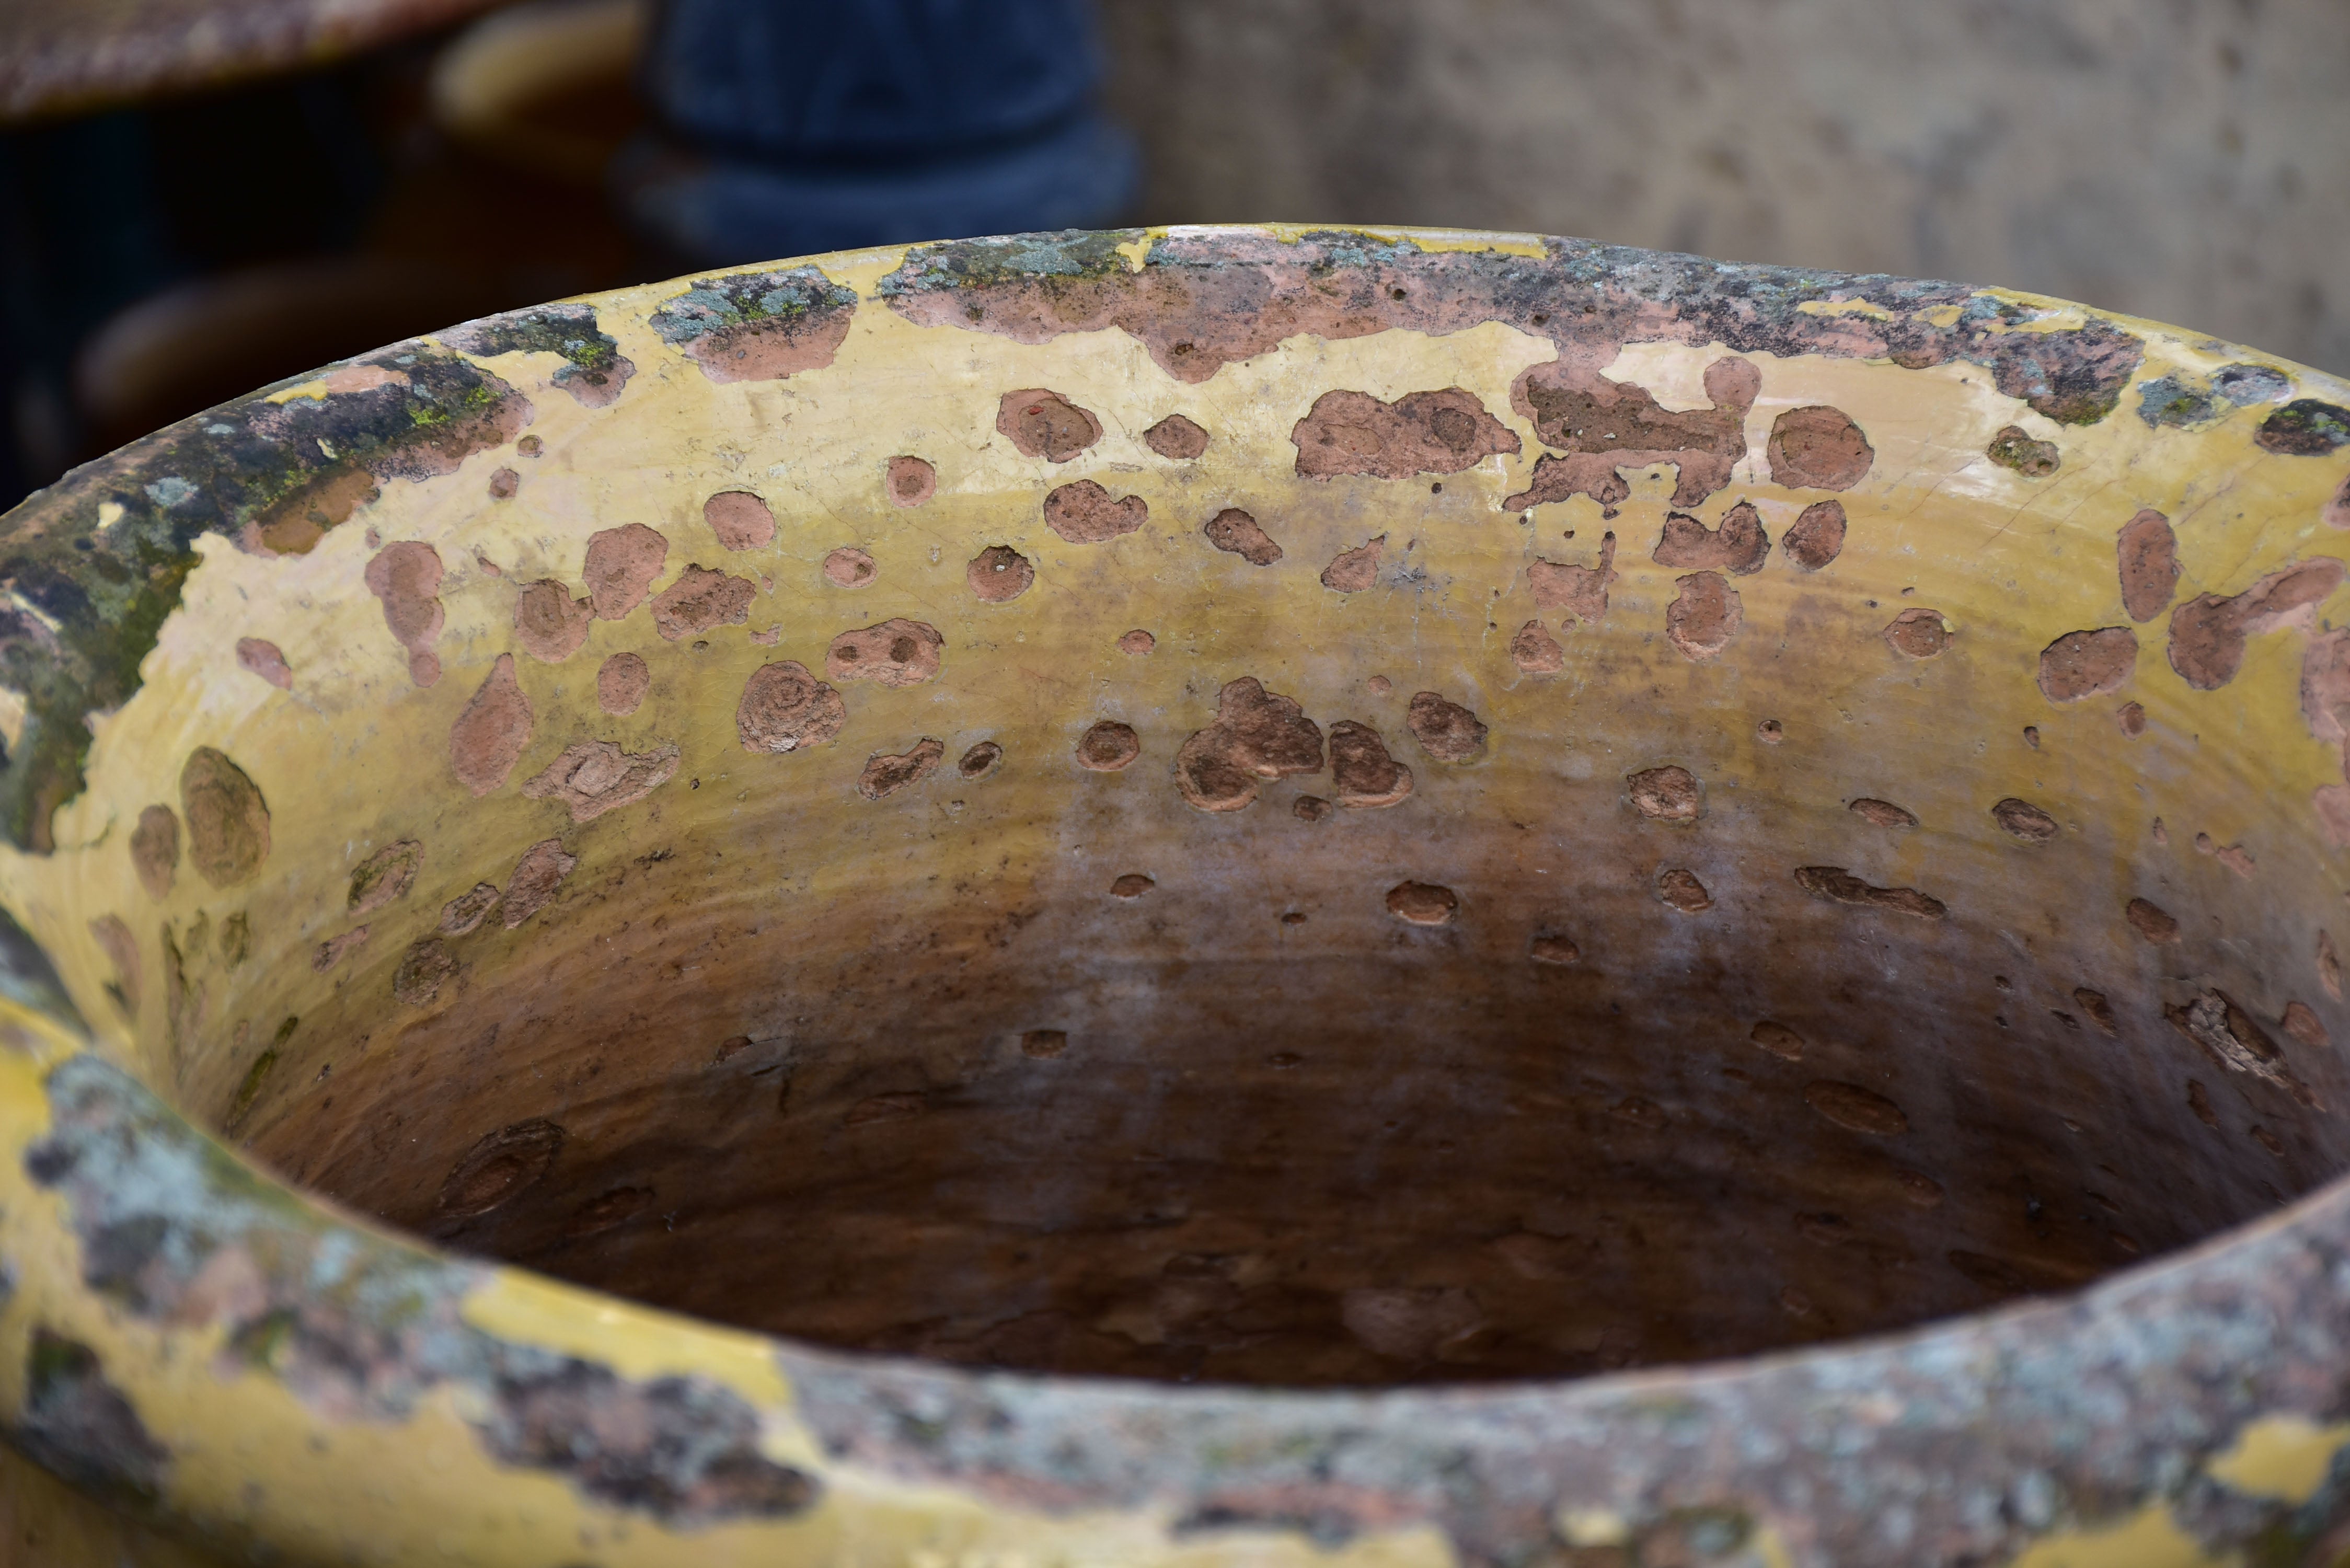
{"x": 201, "y": 196}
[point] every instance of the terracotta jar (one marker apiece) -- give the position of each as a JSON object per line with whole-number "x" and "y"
{"x": 1238, "y": 895}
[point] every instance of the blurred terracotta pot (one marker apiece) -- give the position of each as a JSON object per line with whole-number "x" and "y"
{"x": 1193, "y": 896}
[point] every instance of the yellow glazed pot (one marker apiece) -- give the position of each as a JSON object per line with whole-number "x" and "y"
{"x": 1238, "y": 895}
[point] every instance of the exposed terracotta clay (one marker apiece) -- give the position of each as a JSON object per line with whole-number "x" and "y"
{"x": 2234, "y": 857}
{"x": 490, "y": 735}
{"x": 464, "y": 914}
{"x": 1445, "y": 730}
{"x": 1883, "y": 813}
{"x": 1839, "y": 886}
{"x": 608, "y": 1211}
{"x": 1817, "y": 447}
{"x": 2015, "y": 448}
{"x": 1678, "y": 889}
{"x": 1107, "y": 747}
{"x": 2305, "y": 1026}
{"x": 406, "y": 576}
{"x": 1704, "y": 616}
{"x": 329, "y": 953}
{"x": 1137, "y": 642}
{"x": 1862, "y": 1110}
{"x": 504, "y": 485}
{"x": 2207, "y": 632}
{"x": 1917, "y": 634}
{"x": 2100, "y": 1011}
{"x": 384, "y": 877}
{"x": 536, "y": 876}
{"x": 1770, "y": 732}
{"x": 1600, "y": 426}
{"x": 2199, "y": 1100}
{"x": 1535, "y": 651}
{"x": 1740, "y": 546}
{"x": 1816, "y": 537}
{"x": 1309, "y": 808}
{"x": 227, "y": 820}
{"x": 2148, "y": 551}
{"x": 2022, "y": 819}
{"x": 295, "y": 524}
{"x": 849, "y": 567}
{"x": 501, "y": 1166}
{"x": 1668, "y": 794}
{"x": 893, "y": 653}
{"x": 1046, "y": 425}
{"x": 1422, "y": 903}
{"x": 1133, "y": 884}
{"x": 910, "y": 481}
{"x": 621, "y": 682}
{"x": 423, "y": 971}
{"x": 1363, "y": 774}
{"x": 1043, "y": 1045}
{"x": 760, "y": 326}
{"x": 1083, "y": 513}
{"x": 2235, "y": 1042}
{"x": 2131, "y": 718}
{"x": 699, "y": 600}
{"x": 1778, "y": 1039}
{"x": 1548, "y": 947}
{"x": 121, "y": 950}
{"x": 549, "y": 623}
{"x": 2336, "y": 512}
{"x": 1441, "y": 431}
{"x": 593, "y": 777}
{"x": 1257, "y": 735}
{"x": 1000, "y": 574}
{"x": 1352, "y": 571}
{"x": 155, "y": 850}
{"x": 897, "y": 1107}
{"x": 622, "y": 566}
{"x": 2152, "y": 922}
{"x": 785, "y": 708}
{"x": 263, "y": 659}
{"x": 1579, "y": 592}
{"x": 2083, "y": 664}
{"x": 1177, "y": 438}
{"x": 741, "y": 520}
{"x": 1236, "y": 532}
{"x": 884, "y": 775}
{"x": 980, "y": 761}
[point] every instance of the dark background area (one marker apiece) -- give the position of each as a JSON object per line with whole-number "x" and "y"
{"x": 2182, "y": 159}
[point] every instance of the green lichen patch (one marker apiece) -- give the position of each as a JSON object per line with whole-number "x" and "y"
{"x": 976, "y": 264}
{"x": 2177, "y": 402}
{"x": 2306, "y": 428}
{"x": 569, "y": 330}
{"x": 1202, "y": 300}
{"x": 93, "y": 564}
{"x": 2183, "y": 401}
{"x": 356, "y": 1324}
{"x": 80, "y": 1426}
{"x": 2012, "y": 448}
{"x": 741, "y": 299}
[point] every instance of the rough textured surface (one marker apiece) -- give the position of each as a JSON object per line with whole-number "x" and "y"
{"x": 1181, "y": 1033}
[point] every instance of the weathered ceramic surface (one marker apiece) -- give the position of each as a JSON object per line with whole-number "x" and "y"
{"x": 1374, "y": 822}
{"x": 64, "y": 57}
